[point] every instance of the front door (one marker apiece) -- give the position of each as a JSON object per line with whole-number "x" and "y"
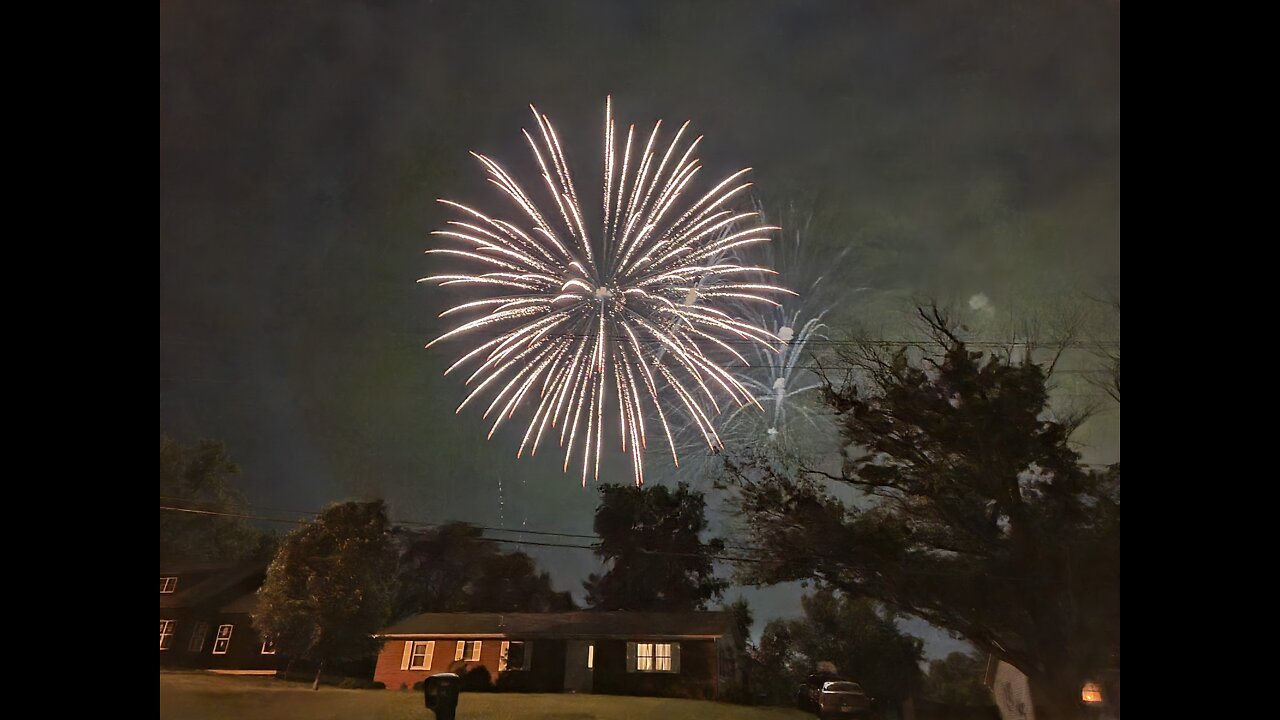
{"x": 578, "y": 659}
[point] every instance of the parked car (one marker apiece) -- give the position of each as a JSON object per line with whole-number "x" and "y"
{"x": 829, "y": 696}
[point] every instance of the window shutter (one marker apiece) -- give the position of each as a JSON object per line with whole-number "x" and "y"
{"x": 528, "y": 655}
{"x": 631, "y": 657}
{"x": 408, "y": 653}
{"x": 457, "y": 654}
{"x": 431, "y": 650}
{"x": 502, "y": 656}
{"x": 479, "y": 644}
{"x": 675, "y": 657}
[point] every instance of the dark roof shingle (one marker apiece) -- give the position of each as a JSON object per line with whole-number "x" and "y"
{"x": 585, "y": 624}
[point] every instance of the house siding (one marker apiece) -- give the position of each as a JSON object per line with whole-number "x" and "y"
{"x": 229, "y": 601}
{"x": 244, "y": 652}
{"x": 697, "y": 677}
{"x": 478, "y": 672}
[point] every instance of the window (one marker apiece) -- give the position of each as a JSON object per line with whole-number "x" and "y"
{"x": 166, "y": 634}
{"x": 420, "y": 655}
{"x": 168, "y": 584}
{"x": 644, "y": 657}
{"x": 268, "y": 647}
{"x": 662, "y": 657}
{"x": 653, "y": 657}
{"x": 591, "y": 656}
{"x": 223, "y": 640}
{"x": 468, "y": 650}
{"x": 515, "y": 655}
{"x": 198, "y": 634}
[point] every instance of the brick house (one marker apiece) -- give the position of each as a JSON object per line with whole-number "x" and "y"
{"x": 205, "y": 618}
{"x": 694, "y": 654}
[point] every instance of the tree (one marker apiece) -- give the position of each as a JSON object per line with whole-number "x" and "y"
{"x": 958, "y": 680}
{"x": 330, "y": 586}
{"x": 651, "y": 539}
{"x": 199, "y": 477}
{"x": 972, "y": 511}
{"x": 743, "y": 619}
{"x": 862, "y": 642}
{"x": 1107, "y": 378}
{"x": 453, "y": 568}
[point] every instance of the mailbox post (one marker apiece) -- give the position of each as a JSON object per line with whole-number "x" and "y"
{"x": 441, "y": 695}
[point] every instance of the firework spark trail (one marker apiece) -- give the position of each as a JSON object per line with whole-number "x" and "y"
{"x": 627, "y": 316}
{"x": 794, "y": 423}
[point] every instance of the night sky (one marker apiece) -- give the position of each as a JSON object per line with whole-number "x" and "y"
{"x": 953, "y": 149}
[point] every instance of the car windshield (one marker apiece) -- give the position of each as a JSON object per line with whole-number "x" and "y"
{"x": 841, "y": 687}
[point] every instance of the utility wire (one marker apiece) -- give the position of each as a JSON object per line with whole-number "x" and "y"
{"x": 592, "y": 548}
{"x": 724, "y": 558}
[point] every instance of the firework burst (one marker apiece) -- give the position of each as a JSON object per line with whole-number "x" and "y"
{"x": 795, "y": 424}
{"x": 575, "y": 322}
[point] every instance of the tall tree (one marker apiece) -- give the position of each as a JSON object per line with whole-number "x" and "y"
{"x": 862, "y": 641}
{"x": 651, "y": 539}
{"x": 330, "y": 586}
{"x": 957, "y": 679}
{"x": 453, "y": 568}
{"x": 972, "y": 511}
{"x": 199, "y": 477}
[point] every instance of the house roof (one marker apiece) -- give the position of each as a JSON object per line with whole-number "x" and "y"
{"x": 213, "y": 584}
{"x": 565, "y": 625}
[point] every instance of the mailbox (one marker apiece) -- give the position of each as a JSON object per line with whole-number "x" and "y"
{"x": 441, "y": 695}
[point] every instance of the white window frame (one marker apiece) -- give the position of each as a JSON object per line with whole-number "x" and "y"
{"x": 199, "y": 634}
{"x": 168, "y": 584}
{"x": 265, "y": 645}
{"x": 166, "y": 633}
{"x": 224, "y": 641}
{"x": 644, "y": 657}
{"x": 428, "y": 653}
{"x": 654, "y": 657}
{"x": 526, "y": 660}
{"x": 662, "y": 663}
{"x": 460, "y": 653}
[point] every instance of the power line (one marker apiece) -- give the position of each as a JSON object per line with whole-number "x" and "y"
{"x": 664, "y": 553}
{"x": 419, "y": 523}
{"x": 592, "y": 548}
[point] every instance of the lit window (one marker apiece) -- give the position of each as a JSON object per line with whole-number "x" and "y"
{"x": 653, "y": 657}
{"x": 591, "y": 656}
{"x": 420, "y": 659}
{"x": 468, "y": 650}
{"x": 198, "y": 634}
{"x": 223, "y": 640}
{"x": 268, "y": 647}
{"x": 662, "y": 657}
{"x": 166, "y": 634}
{"x": 644, "y": 657}
{"x": 168, "y": 584}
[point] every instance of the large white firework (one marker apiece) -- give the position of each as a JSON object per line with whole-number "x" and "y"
{"x": 573, "y": 321}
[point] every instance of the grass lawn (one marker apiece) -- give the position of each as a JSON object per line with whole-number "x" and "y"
{"x": 201, "y": 696}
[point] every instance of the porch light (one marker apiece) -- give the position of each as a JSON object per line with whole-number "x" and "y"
{"x": 1091, "y": 694}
